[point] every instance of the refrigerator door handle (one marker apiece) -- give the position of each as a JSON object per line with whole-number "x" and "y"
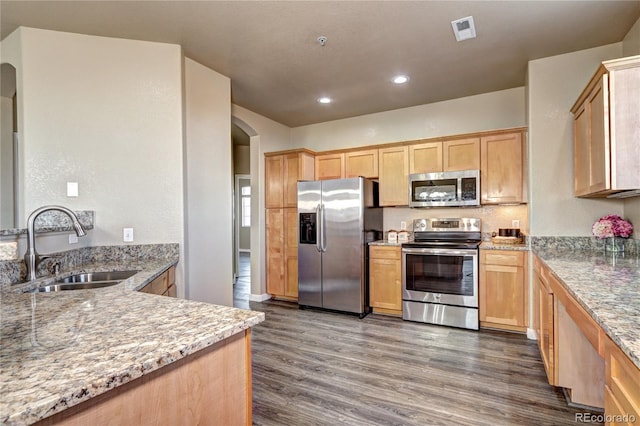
{"x": 318, "y": 228}
{"x": 323, "y": 232}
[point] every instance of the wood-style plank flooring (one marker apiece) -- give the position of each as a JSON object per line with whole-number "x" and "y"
{"x": 313, "y": 367}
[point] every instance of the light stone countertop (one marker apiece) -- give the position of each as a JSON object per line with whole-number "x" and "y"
{"x": 60, "y": 349}
{"x": 385, "y": 243}
{"x": 607, "y": 287}
{"x": 489, "y": 245}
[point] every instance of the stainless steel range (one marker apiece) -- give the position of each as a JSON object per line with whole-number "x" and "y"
{"x": 440, "y": 272}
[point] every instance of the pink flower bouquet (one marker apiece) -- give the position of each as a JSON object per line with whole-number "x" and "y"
{"x": 612, "y": 226}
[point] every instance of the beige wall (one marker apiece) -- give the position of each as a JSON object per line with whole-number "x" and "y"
{"x": 488, "y": 111}
{"x": 266, "y": 136}
{"x": 631, "y": 42}
{"x": 241, "y": 159}
{"x": 631, "y": 47}
{"x": 106, "y": 113}
{"x": 209, "y": 185}
{"x": 6, "y": 163}
{"x": 554, "y": 85}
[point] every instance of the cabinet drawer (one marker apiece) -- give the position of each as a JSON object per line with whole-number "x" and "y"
{"x": 502, "y": 257}
{"x": 384, "y": 252}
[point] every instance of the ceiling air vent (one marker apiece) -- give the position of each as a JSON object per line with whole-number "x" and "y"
{"x": 464, "y": 28}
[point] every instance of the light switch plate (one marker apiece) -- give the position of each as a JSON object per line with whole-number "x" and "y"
{"x": 515, "y": 223}
{"x": 127, "y": 235}
{"x": 72, "y": 189}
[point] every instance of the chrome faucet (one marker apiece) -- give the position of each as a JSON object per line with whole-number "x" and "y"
{"x": 31, "y": 258}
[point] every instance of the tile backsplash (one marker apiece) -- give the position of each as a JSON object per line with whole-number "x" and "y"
{"x": 493, "y": 217}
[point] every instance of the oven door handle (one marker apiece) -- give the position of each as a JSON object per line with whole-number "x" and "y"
{"x": 440, "y": 251}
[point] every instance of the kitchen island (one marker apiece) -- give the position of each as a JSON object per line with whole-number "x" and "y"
{"x": 114, "y": 355}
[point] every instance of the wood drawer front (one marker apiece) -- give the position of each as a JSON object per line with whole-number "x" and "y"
{"x": 171, "y": 280}
{"x": 384, "y": 252}
{"x": 623, "y": 379}
{"x": 502, "y": 257}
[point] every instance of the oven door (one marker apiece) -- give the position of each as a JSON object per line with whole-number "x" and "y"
{"x": 440, "y": 275}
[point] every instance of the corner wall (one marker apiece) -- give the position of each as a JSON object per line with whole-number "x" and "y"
{"x": 208, "y": 185}
{"x": 554, "y": 85}
{"x": 106, "y": 113}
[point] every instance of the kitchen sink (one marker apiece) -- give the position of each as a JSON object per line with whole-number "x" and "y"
{"x": 74, "y": 286}
{"x": 87, "y": 280}
{"x": 89, "y": 277}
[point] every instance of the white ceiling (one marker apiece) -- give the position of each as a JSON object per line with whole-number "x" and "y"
{"x": 278, "y": 69}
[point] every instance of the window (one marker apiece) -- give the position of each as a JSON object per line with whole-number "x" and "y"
{"x": 245, "y": 206}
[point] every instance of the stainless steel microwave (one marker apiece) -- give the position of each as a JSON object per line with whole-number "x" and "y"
{"x": 445, "y": 189}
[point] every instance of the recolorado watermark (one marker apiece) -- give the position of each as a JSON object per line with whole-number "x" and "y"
{"x": 604, "y": 418}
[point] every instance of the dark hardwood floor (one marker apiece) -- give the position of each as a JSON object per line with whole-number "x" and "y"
{"x": 313, "y": 367}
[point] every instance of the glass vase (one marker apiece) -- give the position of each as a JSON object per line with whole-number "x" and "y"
{"x": 614, "y": 244}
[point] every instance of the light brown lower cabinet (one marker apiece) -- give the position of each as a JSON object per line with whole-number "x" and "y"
{"x": 385, "y": 280}
{"x": 579, "y": 356}
{"x": 282, "y": 253}
{"x": 503, "y": 290}
{"x": 163, "y": 285}
{"x": 209, "y": 387}
{"x": 622, "y": 390}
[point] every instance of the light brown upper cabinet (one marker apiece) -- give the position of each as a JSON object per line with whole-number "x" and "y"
{"x": 361, "y": 163}
{"x": 606, "y": 122}
{"x": 329, "y": 166}
{"x": 282, "y": 173}
{"x": 425, "y": 157}
{"x": 394, "y": 178}
{"x": 450, "y": 155}
{"x": 461, "y": 154}
{"x": 502, "y": 169}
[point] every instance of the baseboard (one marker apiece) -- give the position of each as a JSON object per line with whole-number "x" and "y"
{"x": 259, "y": 297}
{"x": 531, "y": 334}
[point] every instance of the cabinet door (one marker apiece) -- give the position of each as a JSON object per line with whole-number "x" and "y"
{"x": 275, "y": 251}
{"x": 274, "y": 186}
{"x": 361, "y": 163}
{"x": 425, "y": 157}
{"x": 599, "y": 149}
{"x": 581, "y": 151}
{"x": 546, "y": 337}
{"x": 291, "y": 253}
{"x": 385, "y": 288}
{"x": 298, "y": 166}
{"x": 329, "y": 166}
{"x": 461, "y": 154}
{"x": 502, "y": 169}
{"x": 394, "y": 180}
{"x": 502, "y": 289}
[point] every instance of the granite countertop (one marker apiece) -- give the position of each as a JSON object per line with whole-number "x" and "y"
{"x": 385, "y": 243}
{"x": 60, "y": 349}
{"x": 607, "y": 287}
{"x": 489, "y": 245}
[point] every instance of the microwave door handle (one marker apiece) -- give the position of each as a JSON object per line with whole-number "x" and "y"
{"x": 459, "y": 189}
{"x": 318, "y": 229}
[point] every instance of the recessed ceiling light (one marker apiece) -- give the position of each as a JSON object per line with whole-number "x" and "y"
{"x": 324, "y": 100}
{"x": 400, "y": 79}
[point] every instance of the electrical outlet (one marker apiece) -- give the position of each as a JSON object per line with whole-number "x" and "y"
{"x": 73, "y": 239}
{"x": 403, "y": 226}
{"x": 515, "y": 223}
{"x": 127, "y": 235}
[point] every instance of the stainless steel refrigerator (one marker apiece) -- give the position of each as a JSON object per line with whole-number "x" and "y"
{"x": 336, "y": 219}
